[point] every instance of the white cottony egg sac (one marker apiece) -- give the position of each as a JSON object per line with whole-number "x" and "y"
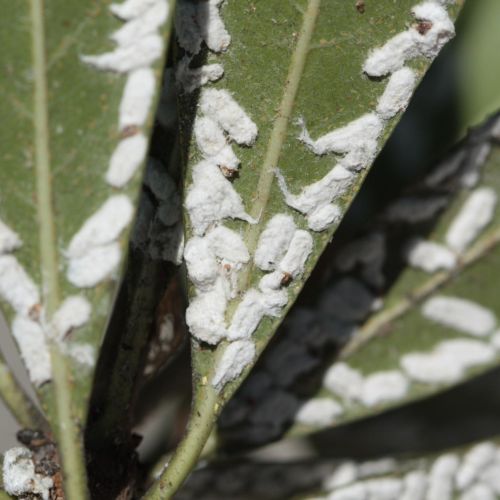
{"x": 94, "y": 252}
{"x": 73, "y": 313}
{"x": 414, "y": 486}
{"x": 201, "y": 264}
{"x": 143, "y": 25}
{"x": 318, "y": 194}
{"x": 323, "y": 217}
{"x": 33, "y": 347}
{"x": 344, "y": 381}
{"x": 212, "y": 27}
{"x": 476, "y": 213}
{"x": 20, "y": 478}
{"x": 213, "y": 145}
{"x": 274, "y": 241}
{"x": 296, "y": 256}
{"x": 474, "y": 462}
{"x": 252, "y": 308}
{"x": 220, "y": 106}
{"x": 433, "y": 29}
{"x": 247, "y": 316}
{"x": 384, "y": 386}
{"x": 209, "y": 136}
{"x": 137, "y": 98}
{"x": 94, "y": 266}
{"x": 228, "y": 245}
{"x": 17, "y": 288}
{"x": 103, "y": 227}
{"x": 211, "y": 198}
{"x": 447, "y": 362}
{"x": 201, "y": 254}
{"x": 126, "y": 160}
{"x": 318, "y": 412}
{"x": 345, "y": 473}
{"x": 397, "y": 93}
{"x": 460, "y": 314}
{"x": 139, "y": 54}
{"x": 429, "y": 256}
{"x": 235, "y": 358}
{"x": 131, "y": 9}
{"x": 347, "y": 138}
{"x": 205, "y": 315}
{"x": 441, "y": 477}
{"x": 9, "y": 239}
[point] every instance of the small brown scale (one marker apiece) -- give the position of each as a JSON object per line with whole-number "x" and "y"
{"x": 423, "y": 27}
{"x": 45, "y": 458}
{"x": 360, "y": 6}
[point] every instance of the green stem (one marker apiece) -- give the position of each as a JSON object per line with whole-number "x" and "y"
{"x": 18, "y": 402}
{"x": 68, "y": 432}
{"x": 202, "y": 421}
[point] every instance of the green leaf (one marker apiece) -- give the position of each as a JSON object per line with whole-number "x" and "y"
{"x": 60, "y": 129}
{"x": 387, "y": 359}
{"x": 458, "y": 471}
{"x": 286, "y": 62}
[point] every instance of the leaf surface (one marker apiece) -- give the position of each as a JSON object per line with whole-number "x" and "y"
{"x": 331, "y": 92}
{"x": 61, "y": 129}
{"x": 358, "y": 355}
{"x": 447, "y": 472}
{"x": 286, "y": 64}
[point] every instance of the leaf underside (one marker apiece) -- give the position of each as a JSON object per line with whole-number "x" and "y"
{"x": 323, "y": 479}
{"x": 81, "y": 134}
{"x": 316, "y": 338}
{"x": 332, "y": 91}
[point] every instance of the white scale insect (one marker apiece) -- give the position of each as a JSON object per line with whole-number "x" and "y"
{"x": 138, "y": 46}
{"x": 358, "y": 140}
{"x": 93, "y": 252}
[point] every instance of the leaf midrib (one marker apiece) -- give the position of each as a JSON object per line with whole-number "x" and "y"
{"x": 278, "y": 134}
{"x": 381, "y": 320}
{"x": 46, "y": 225}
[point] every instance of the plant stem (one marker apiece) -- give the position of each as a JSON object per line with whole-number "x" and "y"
{"x": 69, "y": 434}
{"x": 203, "y": 418}
{"x": 18, "y": 402}
{"x": 67, "y": 430}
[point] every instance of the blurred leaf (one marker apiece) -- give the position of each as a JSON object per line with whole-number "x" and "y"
{"x": 478, "y": 78}
{"x": 360, "y": 273}
{"x": 459, "y": 471}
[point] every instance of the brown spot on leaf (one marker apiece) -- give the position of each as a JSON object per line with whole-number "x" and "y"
{"x": 229, "y": 173}
{"x": 360, "y": 6}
